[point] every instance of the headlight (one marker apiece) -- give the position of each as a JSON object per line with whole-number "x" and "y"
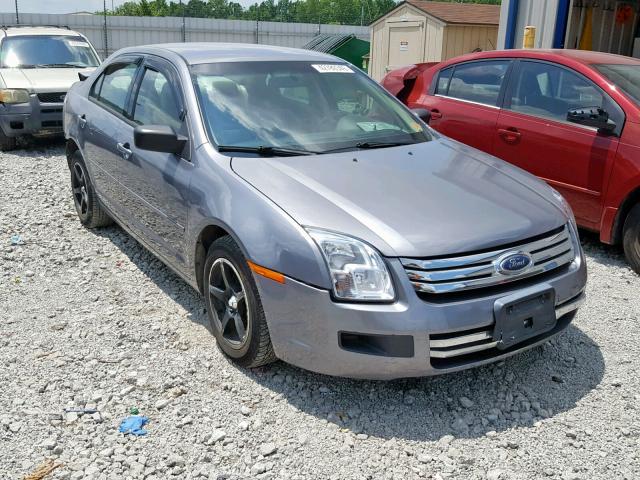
{"x": 565, "y": 205}
{"x": 358, "y": 272}
{"x": 14, "y": 95}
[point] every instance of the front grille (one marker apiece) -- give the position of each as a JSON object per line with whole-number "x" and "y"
{"x": 52, "y": 124}
{"x": 446, "y": 345}
{"x": 437, "y": 276}
{"x": 452, "y": 349}
{"x": 51, "y": 97}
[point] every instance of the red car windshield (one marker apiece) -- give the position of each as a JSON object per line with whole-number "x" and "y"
{"x": 625, "y": 77}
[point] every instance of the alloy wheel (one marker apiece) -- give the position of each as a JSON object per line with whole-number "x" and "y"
{"x": 229, "y": 303}
{"x": 79, "y": 188}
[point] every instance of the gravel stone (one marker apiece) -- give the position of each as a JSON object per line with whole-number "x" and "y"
{"x": 99, "y": 307}
{"x": 270, "y": 448}
{"x": 466, "y": 403}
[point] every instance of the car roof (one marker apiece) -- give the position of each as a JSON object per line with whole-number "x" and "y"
{"x": 212, "y": 52}
{"x": 44, "y": 30}
{"x": 559, "y": 55}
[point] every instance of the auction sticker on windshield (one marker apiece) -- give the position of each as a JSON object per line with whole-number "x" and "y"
{"x": 332, "y": 68}
{"x": 76, "y": 43}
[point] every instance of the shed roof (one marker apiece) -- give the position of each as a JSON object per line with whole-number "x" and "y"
{"x": 327, "y": 43}
{"x": 461, "y": 13}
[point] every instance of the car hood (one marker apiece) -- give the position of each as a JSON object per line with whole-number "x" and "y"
{"x": 429, "y": 199}
{"x": 42, "y": 79}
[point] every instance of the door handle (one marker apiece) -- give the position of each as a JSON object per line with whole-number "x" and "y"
{"x": 82, "y": 120}
{"x": 510, "y": 135}
{"x": 435, "y": 113}
{"x": 124, "y": 150}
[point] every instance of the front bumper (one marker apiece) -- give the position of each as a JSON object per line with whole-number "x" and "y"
{"x": 308, "y": 328}
{"x": 35, "y": 117}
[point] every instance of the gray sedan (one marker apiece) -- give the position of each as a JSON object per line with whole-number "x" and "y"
{"x": 323, "y": 222}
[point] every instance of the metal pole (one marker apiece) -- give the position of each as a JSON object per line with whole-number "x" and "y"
{"x": 17, "y": 14}
{"x": 106, "y": 40}
{"x": 184, "y": 28}
{"x": 362, "y": 14}
{"x": 257, "y": 29}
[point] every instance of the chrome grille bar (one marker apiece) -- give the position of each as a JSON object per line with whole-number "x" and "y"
{"x": 462, "y": 343}
{"x": 446, "y": 275}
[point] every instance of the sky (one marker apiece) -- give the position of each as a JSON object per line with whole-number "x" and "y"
{"x": 66, "y": 6}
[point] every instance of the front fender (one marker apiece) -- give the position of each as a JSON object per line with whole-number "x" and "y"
{"x": 266, "y": 234}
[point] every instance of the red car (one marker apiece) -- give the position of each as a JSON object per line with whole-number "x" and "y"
{"x": 570, "y": 117}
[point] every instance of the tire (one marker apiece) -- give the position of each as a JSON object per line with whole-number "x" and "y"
{"x": 88, "y": 207}
{"x": 631, "y": 238}
{"x": 7, "y": 143}
{"x": 232, "y": 298}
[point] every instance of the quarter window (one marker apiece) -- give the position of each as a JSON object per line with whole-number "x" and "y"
{"x": 550, "y": 91}
{"x": 444, "y": 79}
{"x": 156, "y": 103}
{"x": 112, "y": 87}
{"x": 478, "y": 82}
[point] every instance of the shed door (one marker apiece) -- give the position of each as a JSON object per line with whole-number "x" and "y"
{"x": 406, "y": 44}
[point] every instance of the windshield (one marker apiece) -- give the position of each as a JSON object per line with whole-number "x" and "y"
{"x": 301, "y": 106}
{"x": 625, "y": 77}
{"x": 43, "y": 51}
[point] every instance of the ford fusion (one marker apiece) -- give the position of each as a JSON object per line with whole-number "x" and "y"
{"x": 324, "y": 223}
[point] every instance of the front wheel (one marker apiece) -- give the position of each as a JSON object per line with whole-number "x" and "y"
{"x": 7, "y": 143}
{"x": 234, "y": 307}
{"x": 631, "y": 238}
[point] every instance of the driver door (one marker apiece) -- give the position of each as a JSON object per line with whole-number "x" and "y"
{"x": 532, "y": 132}
{"x": 158, "y": 183}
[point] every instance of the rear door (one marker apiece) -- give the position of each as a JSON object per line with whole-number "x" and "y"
{"x": 158, "y": 183}
{"x": 533, "y": 133}
{"x": 101, "y": 123}
{"x": 466, "y": 101}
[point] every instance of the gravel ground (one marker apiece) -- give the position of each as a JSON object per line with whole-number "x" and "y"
{"x": 89, "y": 319}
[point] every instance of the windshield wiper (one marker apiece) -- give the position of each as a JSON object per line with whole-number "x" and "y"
{"x": 265, "y": 151}
{"x": 60, "y": 65}
{"x": 369, "y": 145}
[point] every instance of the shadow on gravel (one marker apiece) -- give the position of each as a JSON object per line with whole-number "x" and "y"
{"x": 609, "y": 255}
{"x": 27, "y": 146}
{"x": 170, "y": 283}
{"x": 515, "y": 393}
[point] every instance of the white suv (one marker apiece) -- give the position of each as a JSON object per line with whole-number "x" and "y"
{"x": 38, "y": 64}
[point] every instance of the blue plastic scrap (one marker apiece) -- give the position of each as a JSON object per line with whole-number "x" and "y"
{"x": 133, "y": 425}
{"x": 16, "y": 240}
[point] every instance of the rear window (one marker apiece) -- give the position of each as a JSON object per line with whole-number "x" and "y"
{"x": 112, "y": 88}
{"x": 625, "y": 77}
{"x": 478, "y": 82}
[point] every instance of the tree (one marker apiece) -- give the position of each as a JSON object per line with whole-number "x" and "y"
{"x": 342, "y": 12}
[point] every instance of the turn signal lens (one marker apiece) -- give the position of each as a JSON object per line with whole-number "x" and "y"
{"x": 14, "y": 95}
{"x": 265, "y": 272}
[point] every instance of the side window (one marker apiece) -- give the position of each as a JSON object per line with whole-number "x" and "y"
{"x": 113, "y": 85}
{"x": 478, "y": 81}
{"x": 550, "y": 91}
{"x": 156, "y": 103}
{"x": 444, "y": 78}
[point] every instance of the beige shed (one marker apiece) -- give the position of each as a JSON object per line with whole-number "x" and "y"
{"x": 419, "y": 31}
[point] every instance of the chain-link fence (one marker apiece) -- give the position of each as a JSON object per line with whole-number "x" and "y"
{"x": 285, "y": 23}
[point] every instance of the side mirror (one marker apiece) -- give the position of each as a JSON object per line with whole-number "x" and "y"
{"x": 158, "y": 138}
{"x": 592, "y": 117}
{"x": 422, "y": 113}
{"x": 82, "y": 76}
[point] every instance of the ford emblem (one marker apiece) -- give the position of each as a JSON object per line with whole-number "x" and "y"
{"x": 513, "y": 263}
